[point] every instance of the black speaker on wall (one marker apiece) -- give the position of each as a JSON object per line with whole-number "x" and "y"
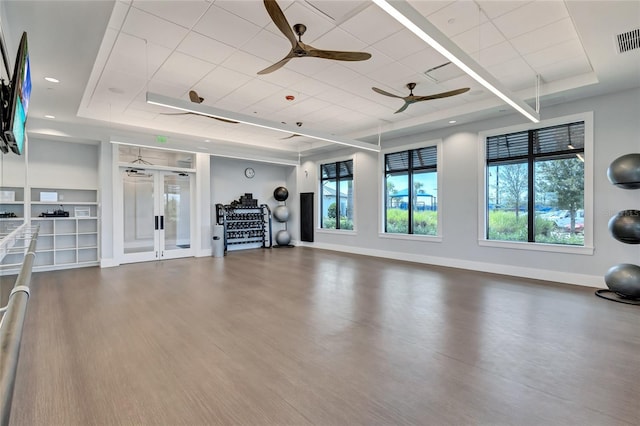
{"x": 306, "y": 216}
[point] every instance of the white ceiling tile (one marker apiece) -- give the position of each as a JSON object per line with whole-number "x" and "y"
{"x": 284, "y": 77}
{"x": 251, "y": 10}
{"x": 245, "y": 63}
{"x": 268, "y": 46}
{"x": 298, "y": 13}
{"x": 428, "y": 7}
{"x": 457, "y": 18}
{"x": 555, "y": 53}
{"x": 547, "y": 36}
{"x": 173, "y": 89}
{"x": 338, "y": 39}
{"x": 336, "y": 74}
{"x": 496, "y": 54}
{"x": 495, "y": 8}
{"x": 153, "y": 29}
{"x": 338, "y": 10}
{"x": 568, "y": 67}
{"x": 306, "y": 106}
{"x": 400, "y": 44}
{"x": 215, "y": 85}
{"x": 254, "y": 91}
{"x": 184, "y": 13}
{"x": 309, "y": 86}
{"x": 307, "y": 65}
{"x": 205, "y": 48}
{"x": 376, "y": 61}
{"x": 530, "y": 17}
{"x": 423, "y": 60}
{"x": 226, "y": 27}
{"x": 514, "y": 67}
{"x": 478, "y": 38}
{"x": 184, "y": 69}
{"x": 127, "y": 50}
{"x": 372, "y": 17}
{"x": 393, "y": 75}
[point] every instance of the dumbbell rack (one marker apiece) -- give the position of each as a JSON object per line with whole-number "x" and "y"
{"x": 245, "y": 227}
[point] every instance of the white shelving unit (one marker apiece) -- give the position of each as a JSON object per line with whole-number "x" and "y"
{"x": 65, "y": 242}
{"x": 12, "y": 215}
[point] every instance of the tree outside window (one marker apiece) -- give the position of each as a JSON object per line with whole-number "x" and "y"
{"x": 535, "y": 185}
{"x": 336, "y": 185}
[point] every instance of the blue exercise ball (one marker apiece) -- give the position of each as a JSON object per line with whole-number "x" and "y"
{"x": 283, "y": 238}
{"x": 280, "y": 193}
{"x": 281, "y": 213}
{"x": 624, "y": 280}
{"x": 624, "y": 172}
{"x": 625, "y": 226}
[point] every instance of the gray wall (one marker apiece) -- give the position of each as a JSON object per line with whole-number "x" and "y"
{"x": 616, "y": 132}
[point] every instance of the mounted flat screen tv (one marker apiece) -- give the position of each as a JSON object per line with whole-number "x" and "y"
{"x": 20, "y": 92}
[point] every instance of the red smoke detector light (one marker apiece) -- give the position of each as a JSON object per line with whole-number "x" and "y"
{"x": 289, "y": 97}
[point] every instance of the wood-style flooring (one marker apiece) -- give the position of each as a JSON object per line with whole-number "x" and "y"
{"x": 303, "y": 336}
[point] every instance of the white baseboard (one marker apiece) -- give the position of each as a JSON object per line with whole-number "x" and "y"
{"x": 108, "y": 263}
{"x": 516, "y": 271}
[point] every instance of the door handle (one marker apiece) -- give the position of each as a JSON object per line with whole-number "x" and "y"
{"x": 161, "y": 222}
{"x": 156, "y": 223}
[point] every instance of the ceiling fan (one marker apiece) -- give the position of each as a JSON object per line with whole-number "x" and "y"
{"x": 298, "y": 48}
{"x": 411, "y": 99}
{"x": 196, "y": 99}
{"x": 293, "y": 135}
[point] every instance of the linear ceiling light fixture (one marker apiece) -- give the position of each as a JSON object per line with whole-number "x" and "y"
{"x": 410, "y": 18}
{"x": 183, "y": 105}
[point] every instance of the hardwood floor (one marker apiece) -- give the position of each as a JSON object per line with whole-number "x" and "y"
{"x": 302, "y": 336}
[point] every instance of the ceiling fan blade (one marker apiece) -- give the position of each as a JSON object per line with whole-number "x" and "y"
{"x": 291, "y": 136}
{"x": 383, "y": 92}
{"x": 194, "y": 97}
{"x": 280, "y": 20}
{"x": 441, "y": 95}
{"x": 406, "y": 104}
{"x": 337, "y": 55}
{"x": 175, "y": 113}
{"x": 277, "y": 65}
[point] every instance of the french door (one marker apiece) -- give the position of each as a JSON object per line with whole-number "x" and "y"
{"x": 156, "y": 215}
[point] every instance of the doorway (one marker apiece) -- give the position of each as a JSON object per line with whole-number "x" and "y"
{"x": 156, "y": 214}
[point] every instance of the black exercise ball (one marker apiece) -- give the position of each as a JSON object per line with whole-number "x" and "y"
{"x": 624, "y": 279}
{"x": 625, "y": 226}
{"x": 624, "y": 172}
{"x": 280, "y": 193}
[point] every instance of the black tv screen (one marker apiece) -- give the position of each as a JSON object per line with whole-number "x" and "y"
{"x": 14, "y": 131}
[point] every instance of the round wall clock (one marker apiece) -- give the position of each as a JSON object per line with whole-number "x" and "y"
{"x": 249, "y": 172}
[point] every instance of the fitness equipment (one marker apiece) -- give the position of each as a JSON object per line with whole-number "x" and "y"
{"x": 623, "y": 279}
{"x": 281, "y": 214}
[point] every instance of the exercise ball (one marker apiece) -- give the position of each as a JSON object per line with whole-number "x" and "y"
{"x": 624, "y": 279}
{"x": 624, "y": 171}
{"x": 281, "y": 213}
{"x": 625, "y": 226}
{"x": 280, "y": 193}
{"x": 283, "y": 238}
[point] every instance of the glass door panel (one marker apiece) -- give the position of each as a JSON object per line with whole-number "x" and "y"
{"x": 138, "y": 202}
{"x": 177, "y": 213}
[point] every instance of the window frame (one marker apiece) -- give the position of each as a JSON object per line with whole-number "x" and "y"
{"x": 382, "y": 201}
{"x": 587, "y": 248}
{"x": 319, "y": 165}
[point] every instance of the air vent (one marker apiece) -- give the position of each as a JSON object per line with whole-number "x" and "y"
{"x": 628, "y": 41}
{"x": 443, "y": 72}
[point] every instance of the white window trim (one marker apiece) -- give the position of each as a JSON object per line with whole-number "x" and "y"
{"x": 381, "y": 193}
{"x": 588, "y": 248}
{"x": 318, "y": 166}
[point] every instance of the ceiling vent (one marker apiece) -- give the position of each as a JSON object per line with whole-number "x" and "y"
{"x": 443, "y": 72}
{"x": 628, "y": 41}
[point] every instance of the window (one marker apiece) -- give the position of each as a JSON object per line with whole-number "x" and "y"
{"x": 411, "y": 191}
{"x": 336, "y": 204}
{"x": 535, "y": 185}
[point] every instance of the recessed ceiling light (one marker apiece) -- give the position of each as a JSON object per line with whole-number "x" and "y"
{"x": 49, "y": 116}
{"x": 207, "y": 140}
{"x": 52, "y": 80}
{"x": 452, "y": 121}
